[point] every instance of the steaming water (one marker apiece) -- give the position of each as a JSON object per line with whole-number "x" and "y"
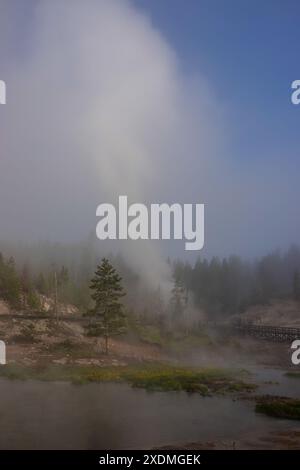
{"x": 279, "y": 384}
{"x": 38, "y": 415}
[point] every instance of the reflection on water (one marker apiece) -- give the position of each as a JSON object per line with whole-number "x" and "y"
{"x": 37, "y": 415}
{"x": 275, "y": 382}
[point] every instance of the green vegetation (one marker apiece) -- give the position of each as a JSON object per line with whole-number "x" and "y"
{"x": 151, "y": 331}
{"x": 178, "y": 299}
{"x": 230, "y": 285}
{"x": 204, "y": 381}
{"x": 293, "y": 374}
{"x": 214, "y": 287}
{"x": 149, "y": 334}
{"x": 28, "y": 334}
{"x": 183, "y": 342}
{"x": 108, "y": 312}
{"x": 279, "y": 407}
{"x": 10, "y": 284}
{"x": 152, "y": 377}
{"x": 22, "y": 288}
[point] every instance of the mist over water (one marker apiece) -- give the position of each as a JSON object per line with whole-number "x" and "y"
{"x": 64, "y": 416}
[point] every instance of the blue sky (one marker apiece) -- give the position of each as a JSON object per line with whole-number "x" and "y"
{"x": 249, "y": 52}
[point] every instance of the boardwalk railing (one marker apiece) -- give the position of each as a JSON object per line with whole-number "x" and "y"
{"x": 43, "y": 316}
{"x": 273, "y": 333}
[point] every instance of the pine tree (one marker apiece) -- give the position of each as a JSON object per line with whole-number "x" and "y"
{"x": 107, "y": 291}
{"x": 178, "y": 299}
{"x": 41, "y": 284}
{"x": 10, "y": 286}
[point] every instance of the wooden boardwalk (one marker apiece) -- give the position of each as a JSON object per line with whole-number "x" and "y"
{"x": 277, "y": 334}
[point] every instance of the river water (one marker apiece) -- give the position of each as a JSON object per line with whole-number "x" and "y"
{"x": 60, "y": 415}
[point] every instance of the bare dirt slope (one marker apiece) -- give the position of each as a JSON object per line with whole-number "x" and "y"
{"x": 4, "y": 308}
{"x": 277, "y": 313}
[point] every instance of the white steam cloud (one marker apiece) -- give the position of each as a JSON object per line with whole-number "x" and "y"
{"x": 97, "y": 108}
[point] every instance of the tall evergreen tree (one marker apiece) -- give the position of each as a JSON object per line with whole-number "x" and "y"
{"x": 108, "y": 313}
{"x": 10, "y": 286}
{"x": 178, "y": 300}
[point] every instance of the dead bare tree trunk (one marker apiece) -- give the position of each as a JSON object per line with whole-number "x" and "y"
{"x": 55, "y": 297}
{"x": 106, "y": 334}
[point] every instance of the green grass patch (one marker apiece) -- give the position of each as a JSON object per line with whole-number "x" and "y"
{"x": 293, "y": 374}
{"x": 279, "y": 407}
{"x": 203, "y": 381}
{"x": 152, "y": 377}
{"x": 181, "y": 342}
{"x": 150, "y": 334}
{"x": 176, "y": 341}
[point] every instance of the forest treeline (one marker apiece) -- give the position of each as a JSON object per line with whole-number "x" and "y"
{"x": 230, "y": 285}
{"x": 215, "y": 286}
